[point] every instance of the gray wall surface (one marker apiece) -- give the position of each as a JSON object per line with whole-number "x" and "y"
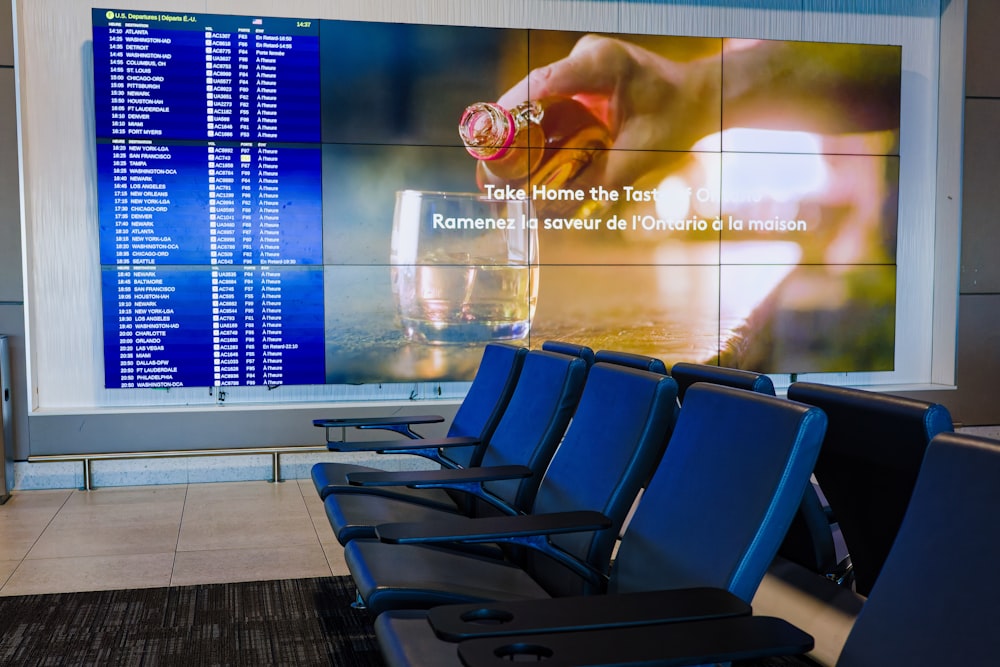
{"x": 6, "y": 36}
{"x": 10, "y": 210}
{"x": 973, "y": 403}
{"x": 981, "y": 200}
{"x": 11, "y": 285}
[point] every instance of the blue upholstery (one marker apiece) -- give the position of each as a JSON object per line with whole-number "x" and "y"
{"x": 570, "y": 349}
{"x": 724, "y": 494}
{"x": 868, "y": 465}
{"x": 540, "y": 409}
{"x": 617, "y": 434}
{"x": 713, "y": 515}
{"x": 809, "y": 541}
{"x": 933, "y": 604}
{"x": 686, "y": 374}
{"x": 935, "y": 601}
{"x": 477, "y": 416}
{"x": 640, "y": 361}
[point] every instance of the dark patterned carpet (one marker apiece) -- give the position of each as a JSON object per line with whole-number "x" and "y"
{"x": 288, "y": 622}
{"x": 291, "y": 622}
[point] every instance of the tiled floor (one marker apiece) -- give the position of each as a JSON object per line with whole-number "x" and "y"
{"x": 135, "y": 537}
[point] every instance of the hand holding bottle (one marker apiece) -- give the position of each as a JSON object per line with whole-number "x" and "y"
{"x": 650, "y": 102}
{"x": 647, "y": 102}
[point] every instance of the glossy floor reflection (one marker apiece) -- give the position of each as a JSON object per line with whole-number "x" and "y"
{"x": 142, "y": 537}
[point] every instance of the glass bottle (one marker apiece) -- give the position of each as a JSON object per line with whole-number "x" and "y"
{"x": 547, "y": 141}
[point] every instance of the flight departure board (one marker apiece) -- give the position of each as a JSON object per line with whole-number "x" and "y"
{"x": 256, "y": 178}
{"x": 209, "y": 199}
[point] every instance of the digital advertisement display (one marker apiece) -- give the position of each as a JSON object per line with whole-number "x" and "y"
{"x": 299, "y": 201}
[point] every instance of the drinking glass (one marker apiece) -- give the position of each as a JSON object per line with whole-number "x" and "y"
{"x": 464, "y": 267}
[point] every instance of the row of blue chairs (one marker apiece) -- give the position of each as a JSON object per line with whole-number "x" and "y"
{"x": 544, "y": 461}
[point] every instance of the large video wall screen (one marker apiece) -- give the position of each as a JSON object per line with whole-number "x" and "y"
{"x": 289, "y": 201}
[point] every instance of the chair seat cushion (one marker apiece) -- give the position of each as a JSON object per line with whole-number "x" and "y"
{"x": 383, "y": 574}
{"x": 332, "y": 478}
{"x": 355, "y": 515}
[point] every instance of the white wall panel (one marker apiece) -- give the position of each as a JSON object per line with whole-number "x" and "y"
{"x": 755, "y": 18}
{"x": 60, "y": 201}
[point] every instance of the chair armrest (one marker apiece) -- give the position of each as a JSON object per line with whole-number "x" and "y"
{"x": 694, "y": 643}
{"x": 458, "y": 622}
{"x": 402, "y": 446}
{"x": 527, "y": 530}
{"x": 429, "y": 479}
{"x": 399, "y": 424}
{"x": 491, "y": 529}
{"x": 377, "y": 422}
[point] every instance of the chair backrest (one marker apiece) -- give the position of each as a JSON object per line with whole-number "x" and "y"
{"x": 809, "y": 541}
{"x": 723, "y": 495}
{"x": 485, "y": 402}
{"x": 686, "y": 374}
{"x": 570, "y": 349}
{"x": 534, "y": 423}
{"x": 868, "y": 465}
{"x": 935, "y": 601}
{"x": 617, "y": 436}
{"x": 640, "y": 361}
{"x": 643, "y": 363}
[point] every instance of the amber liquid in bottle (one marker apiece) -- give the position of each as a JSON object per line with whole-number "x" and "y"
{"x": 540, "y": 142}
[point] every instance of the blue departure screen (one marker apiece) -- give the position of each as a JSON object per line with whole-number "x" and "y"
{"x": 209, "y": 199}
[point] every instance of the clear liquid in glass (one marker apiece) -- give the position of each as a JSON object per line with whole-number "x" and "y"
{"x": 465, "y": 300}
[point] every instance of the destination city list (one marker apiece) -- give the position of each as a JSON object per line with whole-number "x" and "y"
{"x": 205, "y": 128}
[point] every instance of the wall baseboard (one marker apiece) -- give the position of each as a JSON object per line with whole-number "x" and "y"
{"x": 191, "y": 469}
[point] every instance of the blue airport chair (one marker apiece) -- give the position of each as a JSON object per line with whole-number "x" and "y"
{"x": 533, "y": 424}
{"x": 475, "y": 420}
{"x": 616, "y": 436}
